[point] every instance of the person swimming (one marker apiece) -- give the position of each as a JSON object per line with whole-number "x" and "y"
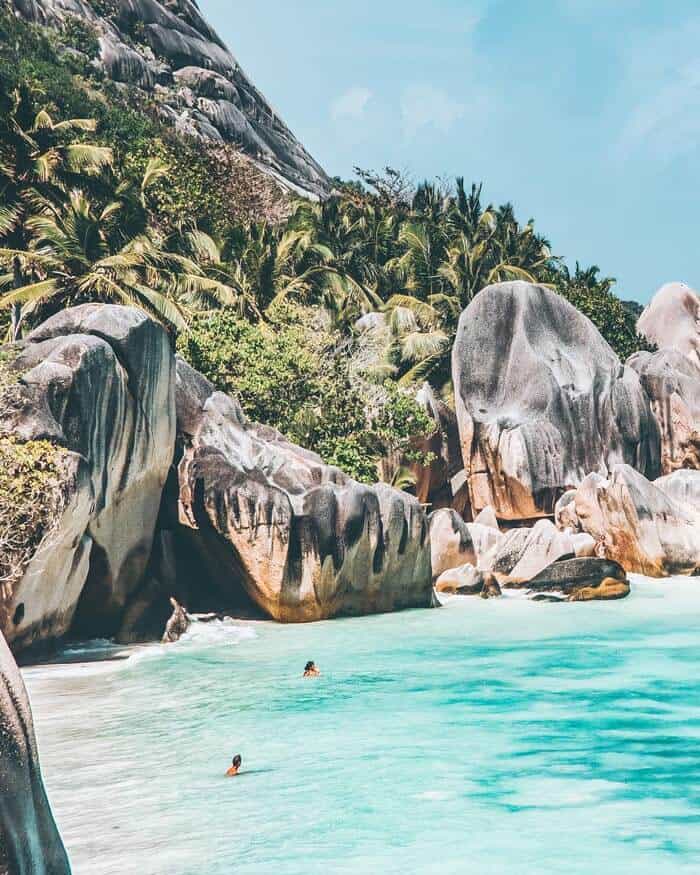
{"x": 235, "y": 766}
{"x": 310, "y": 670}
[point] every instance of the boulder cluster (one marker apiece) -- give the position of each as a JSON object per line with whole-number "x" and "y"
{"x": 589, "y": 466}
{"x": 561, "y": 471}
{"x": 170, "y": 491}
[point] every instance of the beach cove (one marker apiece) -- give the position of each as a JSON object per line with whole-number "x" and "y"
{"x": 496, "y": 736}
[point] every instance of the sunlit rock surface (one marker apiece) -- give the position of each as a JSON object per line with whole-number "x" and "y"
{"x": 671, "y": 320}
{"x": 542, "y": 400}
{"x": 682, "y": 486}
{"x": 97, "y": 380}
{"x": 29, "y": 841}
{"x": 168, "y": 51}
{"x": 671, "y": 379}
{"x": 640, "y": 525}
{"x": 300, "y": 538}
{"x": 454, "y": 542}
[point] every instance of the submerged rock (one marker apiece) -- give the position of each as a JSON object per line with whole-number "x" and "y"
{"x": 29, "y": 840}
{"x": 98, "y": 381}
{"x": 270, "y": 519}
{"x": 541, "y": 401}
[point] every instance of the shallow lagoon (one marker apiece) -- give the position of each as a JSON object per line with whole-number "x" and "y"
{"x": 496, "y": 736}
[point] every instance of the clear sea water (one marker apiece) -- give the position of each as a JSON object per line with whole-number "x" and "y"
{"x": 487, "y": 737}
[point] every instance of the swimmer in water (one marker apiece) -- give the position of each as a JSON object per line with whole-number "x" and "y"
{"x": 310, "y": 670}
{"x": 235, "y": 766}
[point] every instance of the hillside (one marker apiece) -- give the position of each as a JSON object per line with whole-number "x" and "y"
{"x": 168, "y": 53}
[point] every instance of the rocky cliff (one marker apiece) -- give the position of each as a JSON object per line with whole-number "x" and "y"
{"x": 175, "y": 60}
{"x": 29, "y": 841}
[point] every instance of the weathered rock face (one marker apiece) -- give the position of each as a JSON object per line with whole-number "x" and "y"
{"x": 682, "y": 486}
{"x": 300, "y": 538}
{"x": 97, "y": 380}
{"x": 542, "y": 401}
{"x": 672, "y": 320}
{"x": 672, "y": 382}
{"x": 29, "y": 841}
{"x": 454, "y": 542}
{"x": 593, "y": 577}
{"x": 462, "y": 580}
{"x": 441, "y": 483}
{"x": 638, "y": 524}
{"x": 608, "y": 589}
{"x": 168, "y": 50}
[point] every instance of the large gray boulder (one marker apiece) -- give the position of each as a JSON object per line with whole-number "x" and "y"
{"x": 29, "y": 840}
{"x": 671, "y": 379}
{"x": 271, "y": 521}
{"x": 542, "y": 400}
{"x": 671, "y": 320}
{"x": 98, "y": 382}
{"x": 168, "y": 53}
{"x": 639, "y": 524}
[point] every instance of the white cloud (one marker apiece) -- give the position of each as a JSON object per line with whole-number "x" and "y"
{"x": 351, "y": 104}
{"x": 661, "y": 85}
{"x": 426, "y": 106}
{"x": 668, "y": 121}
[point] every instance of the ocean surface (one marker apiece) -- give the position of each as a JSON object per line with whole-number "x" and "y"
{"x": 489, "y": 737}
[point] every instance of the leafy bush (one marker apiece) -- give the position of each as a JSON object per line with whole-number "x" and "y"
{"x": 289, "y": 373}
{"x": 616, "y": 320}
{"x": 31, "y": 495}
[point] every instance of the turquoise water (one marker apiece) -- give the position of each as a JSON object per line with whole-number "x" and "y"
{"x": 489, "y": 737}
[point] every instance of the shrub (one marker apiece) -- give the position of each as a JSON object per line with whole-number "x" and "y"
{"x": 292, "y": 374}
{"x": 31, "y": 495}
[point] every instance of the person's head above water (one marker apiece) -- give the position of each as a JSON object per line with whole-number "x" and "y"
{"x": 235, "y": 766}
{"x": 310, "y": 669}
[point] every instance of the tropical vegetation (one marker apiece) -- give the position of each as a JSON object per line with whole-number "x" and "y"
{"x": 322, "y": 316}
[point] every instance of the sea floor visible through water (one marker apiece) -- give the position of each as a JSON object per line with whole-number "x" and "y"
{"x": 487, "y": 737}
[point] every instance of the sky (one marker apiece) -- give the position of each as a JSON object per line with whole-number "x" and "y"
{"x": 585, "y": 114}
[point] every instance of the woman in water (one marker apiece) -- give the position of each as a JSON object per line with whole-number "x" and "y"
{"x": 235, "y": 766}
{"x": 310, "y": 670}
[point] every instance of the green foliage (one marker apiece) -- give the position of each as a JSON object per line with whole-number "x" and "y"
{"x": 79, "y": 35}
{"x": 100, "y": 200}
{"x": 289, "y": 373}
{"x": 615, "y": 320}
{"x": 31, "y": 493}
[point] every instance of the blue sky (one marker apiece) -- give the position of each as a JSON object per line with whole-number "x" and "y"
{"x": 584, "y": 113}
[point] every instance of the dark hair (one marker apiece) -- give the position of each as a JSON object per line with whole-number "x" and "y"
{"x": 309, "y": 665}
{"x": 237, "y": 760}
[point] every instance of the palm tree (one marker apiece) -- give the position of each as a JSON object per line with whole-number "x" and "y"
{"x": 39, "y": 161}
{"x": 84, "y": 254}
